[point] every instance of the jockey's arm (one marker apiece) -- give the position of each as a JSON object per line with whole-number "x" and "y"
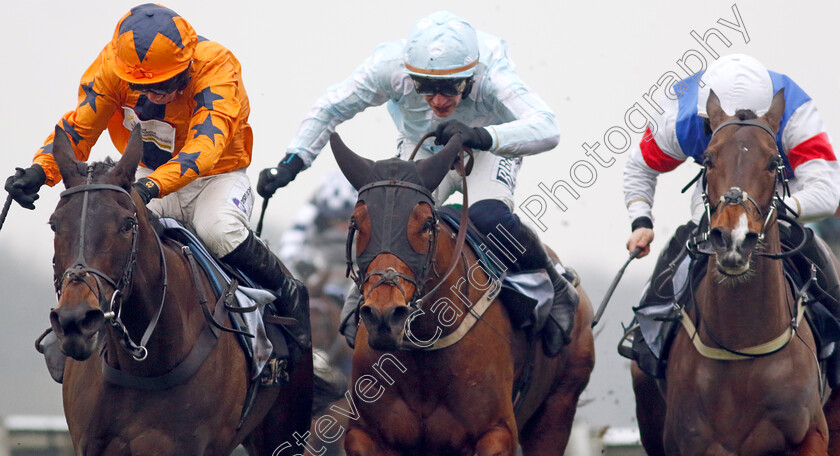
{"x": 367, "y": 86}
{"x": 534, "y": 128}
{"x": 210, "y": 131}
{"x": 99, "y": 98}
{"x": 815, "y": 189}
{"x": 641, "y": 171}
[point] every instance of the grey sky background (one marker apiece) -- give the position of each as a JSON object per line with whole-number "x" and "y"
{"x": 590, "y": 61}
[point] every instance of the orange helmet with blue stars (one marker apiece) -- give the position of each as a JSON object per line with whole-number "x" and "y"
{"x": 151, "y": 44}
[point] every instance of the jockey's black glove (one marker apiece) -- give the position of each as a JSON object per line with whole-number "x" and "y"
{"x": 146, "y": 188}
{"x": 23, "y": 186}
{"x": 474, "y": 138}
{"x": 273, "y": 178}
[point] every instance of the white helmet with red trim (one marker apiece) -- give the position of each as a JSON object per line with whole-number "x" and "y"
{"x": 741, "y": 82}
{"x": 441, "y": 45}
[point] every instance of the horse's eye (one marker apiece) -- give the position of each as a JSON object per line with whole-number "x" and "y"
{"x": 429, "y": 225}
{"x": 775, "y": 162}
{"x": 52, "y": 225}
{"x": 707, "y": 161}
{"x": 128, "y": 225}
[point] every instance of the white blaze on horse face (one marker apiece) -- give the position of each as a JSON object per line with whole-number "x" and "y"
{"x": 740, "y": 232}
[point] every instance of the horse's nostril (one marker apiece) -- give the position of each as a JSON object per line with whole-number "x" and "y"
{"x": 750, "y": 241}
{"x": 398, "y": 315}
{"x": 92, "y": 321}
{"x": 370, "y": 316}
{"x": 55, "y": 323}
{"x": 720, "y": 238}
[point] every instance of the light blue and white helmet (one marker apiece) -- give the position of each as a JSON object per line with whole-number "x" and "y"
{"x": 441, "y": 45}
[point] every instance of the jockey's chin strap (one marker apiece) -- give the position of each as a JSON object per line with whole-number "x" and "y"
{"x": 81, "y": 272}
{"x": 737, "y": 196}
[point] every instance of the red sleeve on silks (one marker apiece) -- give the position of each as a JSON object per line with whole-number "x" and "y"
{"x": 654, "y": 157}
{"x": 218, "y": 138}
{"x": 99, "y": 98}
{"x": 815, "y": 147}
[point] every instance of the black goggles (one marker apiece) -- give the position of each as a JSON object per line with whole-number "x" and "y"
{"x": 177, "y": 83}
{"x": 445, "y": 87}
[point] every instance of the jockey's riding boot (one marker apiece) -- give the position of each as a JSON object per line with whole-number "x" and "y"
{"x": 260, "y": 264}
{"x": 561, "y": 319}
{"x": 349, "y": 323}
{"x": 829, "y": 287}
{"x": 827, "y": 291}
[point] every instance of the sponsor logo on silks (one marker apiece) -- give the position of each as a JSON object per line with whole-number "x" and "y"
{"x": 506, "y": 171}
{"x": 242, "y": 203}
{"x": 157, "y": 132}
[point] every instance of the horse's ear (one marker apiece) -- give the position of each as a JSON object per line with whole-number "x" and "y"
{"x": 354, "y": 167}
{"x": 777, "y": 109}
{"x": 433, "y": 169}
{"x": 716, "y": 114}
{"x": 123, "y": 173}
{"x": 65, "y": 158}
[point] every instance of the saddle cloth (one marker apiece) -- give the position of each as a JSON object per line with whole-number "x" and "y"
{"x": 528, "y": 295}
{"x": 258, "y": 348}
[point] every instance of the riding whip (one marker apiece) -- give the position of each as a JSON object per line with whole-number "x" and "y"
{"x": 6, "y": 207}
{"x": 262, "y": 215}
{"x": 614, "y": 284}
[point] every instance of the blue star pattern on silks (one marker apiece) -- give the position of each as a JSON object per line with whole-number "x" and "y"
{"x": 48, "y": 149}
{"x": 90, "y": 95}
{"x": 71, "y": 130}
{"x": 205, "y": 99}
{"x": 146, "y": 21}
{"x": 187, "y": 161}
{"x": 207, "y": 129}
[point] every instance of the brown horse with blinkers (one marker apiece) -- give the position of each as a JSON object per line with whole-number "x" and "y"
{"x": 437, "y": 359}
{"x": 185, "y": 383}
{"x": 743, "y": 376}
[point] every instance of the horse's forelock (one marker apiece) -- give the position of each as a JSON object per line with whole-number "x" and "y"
{"x": 99, "y": 170}
{"x": 745, "y": 114}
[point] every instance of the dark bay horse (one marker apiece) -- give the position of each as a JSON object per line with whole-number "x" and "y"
{"x": 743, "y": 376}
{"x": 437, "y": 359}
{"x": 110, "y": 267}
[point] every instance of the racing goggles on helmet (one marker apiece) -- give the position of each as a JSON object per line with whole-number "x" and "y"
{"x": 445, "y": 87}
{"x": 177, "y": 83}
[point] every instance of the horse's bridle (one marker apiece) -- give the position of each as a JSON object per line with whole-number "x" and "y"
{"x": 390, "y": 276}
{"x": 736, "y": 196}
{"x": 81, "y": 272}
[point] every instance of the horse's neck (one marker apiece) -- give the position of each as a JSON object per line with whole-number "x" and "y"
{"x": 747, "y": 311}
{"x": 169, "y": 340}
{"x": 458, "y": 293}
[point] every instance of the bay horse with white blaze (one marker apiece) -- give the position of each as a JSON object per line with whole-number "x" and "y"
{"x": 743, "y": 377}
{"x": 437, "y": 359}
{"x": 185, "y": 387}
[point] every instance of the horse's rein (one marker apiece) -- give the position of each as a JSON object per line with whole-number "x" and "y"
{"x": 80, "y": 269}
{"x": 463, "y": 223}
